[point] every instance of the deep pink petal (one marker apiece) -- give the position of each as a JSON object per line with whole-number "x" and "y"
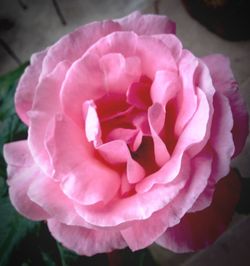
{"x": 147, "y": 24}
{"x": 21, "y": 172}
{"x": 26, "y": 88}
{"x": 85, "y": 241}
{"x": 189, "y": 234}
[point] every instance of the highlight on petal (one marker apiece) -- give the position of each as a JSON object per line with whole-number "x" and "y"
{"x": 85, "y": 241}
{"x": 200, "y": 229}
{"x": 92, "y": 125}
{"x": 21, "y": 172}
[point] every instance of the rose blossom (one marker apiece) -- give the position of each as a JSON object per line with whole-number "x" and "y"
{"x": 128, "y": 137}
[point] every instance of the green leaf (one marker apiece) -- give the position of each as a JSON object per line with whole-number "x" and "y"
{"x": 13, "y": 228}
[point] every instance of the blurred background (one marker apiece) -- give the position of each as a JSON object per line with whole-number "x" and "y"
{"x": 28, "y": 26}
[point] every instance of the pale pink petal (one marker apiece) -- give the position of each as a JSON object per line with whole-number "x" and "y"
{"x": 26, "y": 88}
{"x": 132, "y": 137}
{"x": 85, "y": 241}
{"x": 194, "y": 180}
{"x": 224, "y": 82}
{"x": 47, "y": 193}
{"x": 138, "y": 206}
{"x": 119, "y": 72}
{"x": 154, "y": 56}
{"x": 172, "y": 42}
{"x": 85, "y": 179}
{"x": 164, "y": 87}
{"x": 92, "y": 124}
{"x": 67, "y": 145}
{"x": 45, "y": 105}
{"x": 146, "y": 24}
{"x": 156, "y": 118}
{"x": 77, "y": 43}
{"x": 115, "y": 151}
{"x": 21, "y": 172}
{"x": 85, "y": 79}
{"x": 135, "y": 172}
{"x": 188, "y": 102}
{"x": 189, "y": 234}
{"x": 193, "y": 134}
{"x": 221, "y": 137}
{"x": 91, "y": 182}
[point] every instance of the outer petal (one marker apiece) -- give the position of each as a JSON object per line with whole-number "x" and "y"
{"x": 86, "y": 241}
{"x": 137, "y": 237}
{"x": 21, "y": 172}
{"x": 26, "y": 88}
{"x": 225, "y": 83}
{"x": 147, "y": 24}
{"x": 46, "y": 104}
{"x": 198, "y": 230}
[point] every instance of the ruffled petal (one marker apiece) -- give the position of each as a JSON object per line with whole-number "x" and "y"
{"x": 77, "y": 43}
{"x": 193, "y": 179}
{"x": 21, "y": 172}
{"x": 45, "y": 105}
{"x": 86, "y": 241}
{"x": 85, "y": 179}
{"x": 193, "y": 134}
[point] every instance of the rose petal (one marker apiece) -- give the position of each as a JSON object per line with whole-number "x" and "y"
{"x": 47, "y": 193}
{"x": 46, "y": 104}
{"x": 86, "y": 241}
{"x": 194, "y": 180}
{"x": 92, "y": 124}
{"x": 172, "y": 42}
{"x": 26, "y": 88}
{"x": 21, "y": 172}
{"x": 156, "y": 118}
{"x": 188, "y": 103}
{"x": 193, "y": 134}
{"x": 119, "y": 72}
{"x": 224, "y": 82}
{"x": 86, "y": 179}
{"x": 164, "y": 87}
{"x": 77, "y": 43}
{"x": 189, "y": 234}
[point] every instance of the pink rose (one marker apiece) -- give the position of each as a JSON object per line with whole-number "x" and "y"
{"x": 128, "y": 136}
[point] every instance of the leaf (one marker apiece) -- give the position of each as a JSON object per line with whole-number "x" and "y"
{"x": 13, "y": 228}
